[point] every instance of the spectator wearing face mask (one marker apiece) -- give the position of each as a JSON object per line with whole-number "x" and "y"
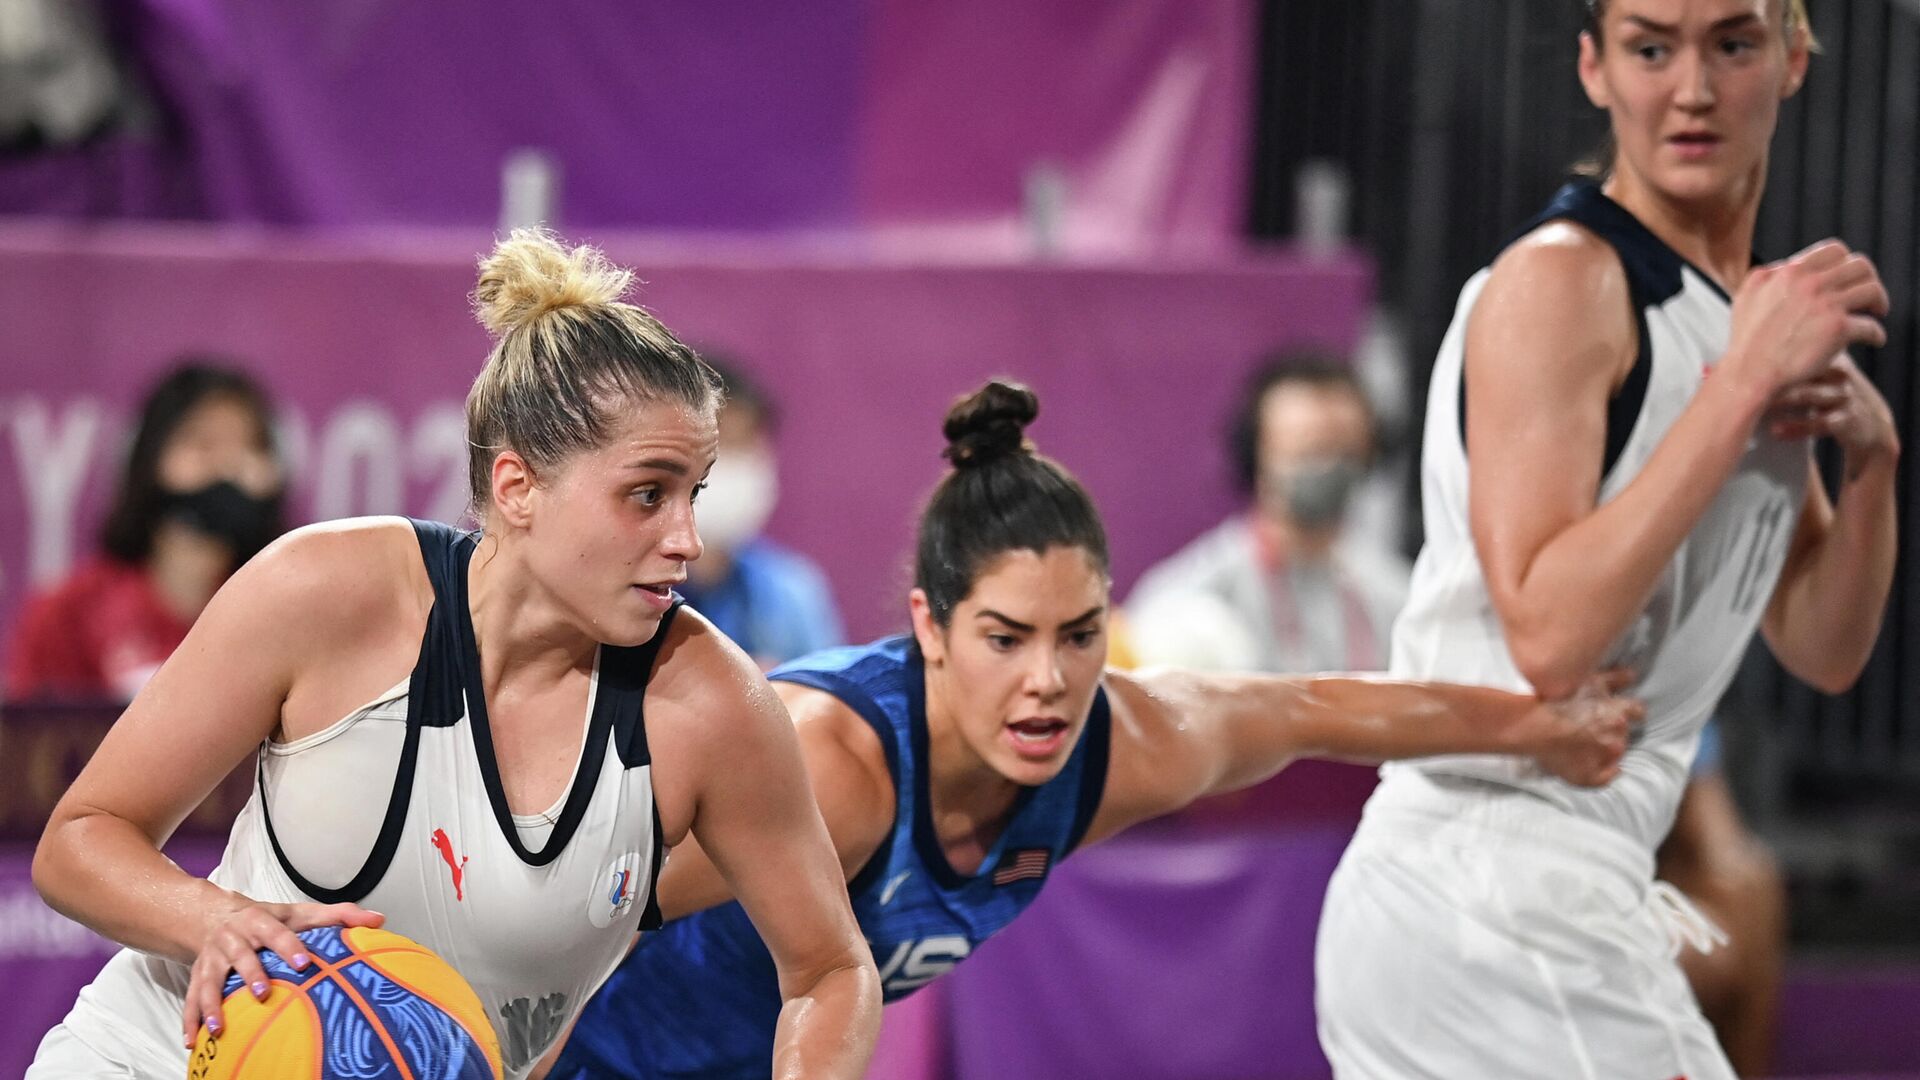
{"x": 773, "y": 602}
{"x": 1284, "y": 586}
{"x": 199, "y": 496}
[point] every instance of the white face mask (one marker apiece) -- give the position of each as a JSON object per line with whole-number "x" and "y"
{"x": 740, "y": 494}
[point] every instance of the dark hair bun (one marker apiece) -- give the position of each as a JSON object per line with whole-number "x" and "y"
{"x": 989, "y": 424}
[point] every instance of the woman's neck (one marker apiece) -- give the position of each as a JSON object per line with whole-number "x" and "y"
{"x": 1716, "y": 236}
{"x": 518, "y": 626}
{"x": 967, "y": 797}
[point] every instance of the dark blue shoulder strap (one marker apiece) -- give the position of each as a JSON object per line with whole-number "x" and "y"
{"x": 1098, "y": 743}
{"x": 1652, "y": 268}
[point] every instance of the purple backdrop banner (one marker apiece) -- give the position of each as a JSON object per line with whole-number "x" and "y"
{"x": 679, "y": 114}
{"x": 370, "y": 349}
{"x": 45, "y": 958}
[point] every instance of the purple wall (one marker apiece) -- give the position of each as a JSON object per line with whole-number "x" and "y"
{"x": 678, "y": 114}
{"x": 370, "y": 348}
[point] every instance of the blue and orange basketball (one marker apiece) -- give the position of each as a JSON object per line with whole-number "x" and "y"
{"x": 372, "y": 1004}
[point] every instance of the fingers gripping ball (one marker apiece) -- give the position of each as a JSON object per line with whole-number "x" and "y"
{"x": 372, "y": 1005}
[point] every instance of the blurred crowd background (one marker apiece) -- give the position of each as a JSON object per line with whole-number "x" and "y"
{"x": 1220, "y": 238}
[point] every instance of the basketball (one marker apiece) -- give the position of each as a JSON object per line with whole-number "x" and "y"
{"x": 371, "y": 1004}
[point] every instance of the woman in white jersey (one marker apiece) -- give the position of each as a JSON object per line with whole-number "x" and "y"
{"x": 456, "y": 733}
{"x": 1642, "y": 495}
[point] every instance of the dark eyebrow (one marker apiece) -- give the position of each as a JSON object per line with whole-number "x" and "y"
{"x": 1085, "y": 616}
{"x": 666, "y": 465}
{"x": 1089, "y": 615}
{"x": 1645, "y": 23}
{"x": 1013, "y": 624}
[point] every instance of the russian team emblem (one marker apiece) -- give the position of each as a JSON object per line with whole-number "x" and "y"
{"x": 615, "y": 891}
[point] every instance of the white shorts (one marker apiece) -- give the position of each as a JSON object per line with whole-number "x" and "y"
{"x": 1473, "y": 930}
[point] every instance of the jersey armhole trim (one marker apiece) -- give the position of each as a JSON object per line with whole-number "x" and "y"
{"x": 1093, "y": 776}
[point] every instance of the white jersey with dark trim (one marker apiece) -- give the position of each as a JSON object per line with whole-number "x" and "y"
{"x": 1687, "y": 641}
{"x": 399, "y": 807}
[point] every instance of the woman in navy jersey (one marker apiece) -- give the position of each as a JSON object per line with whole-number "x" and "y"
{"x": 484, "y": 740}
{"x": 957, "y": 765}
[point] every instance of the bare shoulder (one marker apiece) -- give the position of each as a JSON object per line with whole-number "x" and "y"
{"x": 339, "y": 572}
{"x": 1554, "y": 323}
{"x": 701, "y": 676}
{"x": 1559, "y": 281}
{"x": 1559, "y": 249}
{"x": 841, "y": 748}
{"x": 347, "y": 602}
{"x": 1156, "y": 763}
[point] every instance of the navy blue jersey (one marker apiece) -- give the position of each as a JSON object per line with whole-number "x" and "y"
{"x": 700, "y": 997}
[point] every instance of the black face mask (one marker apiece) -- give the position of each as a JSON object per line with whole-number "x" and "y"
{"x": 246, "y": 523}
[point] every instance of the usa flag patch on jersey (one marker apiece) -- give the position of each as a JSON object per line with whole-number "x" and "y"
{"x": 1020, "y": 865}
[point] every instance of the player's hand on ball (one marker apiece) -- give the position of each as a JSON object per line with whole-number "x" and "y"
{"x": 1582, "y": 738}
{"x": 235, "y": 936}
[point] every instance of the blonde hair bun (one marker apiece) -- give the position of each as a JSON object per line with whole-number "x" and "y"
{"x": 531, "y": 273}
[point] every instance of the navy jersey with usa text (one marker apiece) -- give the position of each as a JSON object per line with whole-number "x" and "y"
{"x": 700, "y": 996}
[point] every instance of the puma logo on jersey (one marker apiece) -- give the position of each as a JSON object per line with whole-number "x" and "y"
{"x": 457, "y": 869}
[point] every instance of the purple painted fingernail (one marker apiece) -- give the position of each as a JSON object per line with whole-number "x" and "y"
{"x": 213, "y": 1024}
{"x": 260, "y": 989}
{"x": 300, "y": 960}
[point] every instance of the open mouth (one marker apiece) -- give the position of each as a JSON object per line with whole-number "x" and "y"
{"x": 659, "y": 593}
{"x": 1037, "y": 738}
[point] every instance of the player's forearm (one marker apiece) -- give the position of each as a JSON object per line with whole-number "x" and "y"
{"x": 102, "y": 872}
{"x": 1586, "y": 585}
{"x": 1370, "y": 721}
{"x": 1831, "y": 608}
{"x": 1270, "y": 721}
{"x": 827, "y": 1028}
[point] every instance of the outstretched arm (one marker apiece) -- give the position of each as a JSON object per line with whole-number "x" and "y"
{"x": 1182, "y": 735}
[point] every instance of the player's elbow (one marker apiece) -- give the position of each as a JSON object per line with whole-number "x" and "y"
{"x": 1831, "y": 676}
{"x": 1830, "y": 664}
{"x": 847, "y": 975}
{"x": 48, "y": 858}
{"x": 1552, "y": 665}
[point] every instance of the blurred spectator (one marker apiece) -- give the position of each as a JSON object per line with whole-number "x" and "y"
{"x": 200, "y": 495}
{"x": 773, "y": 602}
{"x": 1285, "y": 586}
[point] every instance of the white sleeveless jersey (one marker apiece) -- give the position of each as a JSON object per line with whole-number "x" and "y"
{"x": 1687, "y": 642}
{"x": 533, "y": 910}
